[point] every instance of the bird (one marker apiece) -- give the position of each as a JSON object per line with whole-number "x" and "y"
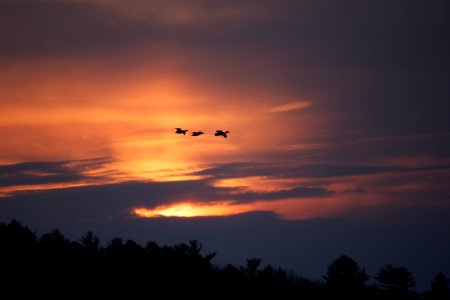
{"x": 180, "y": 131}
{"x": 197, "y": 133}
{"x": 222, "y": 133}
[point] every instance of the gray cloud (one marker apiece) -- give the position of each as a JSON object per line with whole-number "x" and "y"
{"x": 48, "y": 28}
{"x": 98, "y": 201}
{"x": 116, "y": 200}
{"x": 298, "y": 192}
{"x": 317, "y": 170}
{"x": 34, "y": 173}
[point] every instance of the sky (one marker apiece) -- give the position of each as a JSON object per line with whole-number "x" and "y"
{"x": 337, "y": 112}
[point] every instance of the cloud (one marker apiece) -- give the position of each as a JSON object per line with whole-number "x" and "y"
{"x": 299, "y": 170}
{"x": 92, "y": 202}
{"x": 39, "y": 173}
{"x": 179, "y": 12}
{"x": 302, "y": 147}
{"x": 290, "y": 106}
{"x": 310, "y": 193}
{"x": 54, "y": 28}
{"x": 294, "y": 193}
{"x": 97, "y": 27}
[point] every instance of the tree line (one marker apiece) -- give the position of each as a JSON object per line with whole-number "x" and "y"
{"x": 54, "y": 266}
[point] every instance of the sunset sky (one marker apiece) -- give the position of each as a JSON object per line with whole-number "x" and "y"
{"x": 338, "y": 113}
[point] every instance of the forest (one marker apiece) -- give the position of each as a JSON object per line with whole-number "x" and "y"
{"x": 53, "y": 266}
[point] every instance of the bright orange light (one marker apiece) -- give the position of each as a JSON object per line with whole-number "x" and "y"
{"x": 290, "y": 209}
{"x": 186, "y": 210}
{"x": 258, "y": 183}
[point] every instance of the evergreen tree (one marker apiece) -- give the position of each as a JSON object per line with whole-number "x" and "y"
{"x": 396, "y": 282}
{"x": 440, "y": 288}
{"x": 345, "y": 274}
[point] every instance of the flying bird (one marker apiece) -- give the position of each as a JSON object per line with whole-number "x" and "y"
{"x": 222, "y": 133}
{"x": 181, "y": 131}
{"x": 197, "y": 133}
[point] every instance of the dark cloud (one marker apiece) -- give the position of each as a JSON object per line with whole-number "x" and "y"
{"x": 364, "y": 146}
{"x": 100, "y": 201}
{"x": 311, "y": 34}
{"x": 318, "y": 170}
{"x": 35, "y": 173}
{"x": 298, "y": 192}
{"x": 116, "y": 200}
{"x": 56, "y": 28}
{"x": 337, "y": 170}
{"x": 375, "y": 66}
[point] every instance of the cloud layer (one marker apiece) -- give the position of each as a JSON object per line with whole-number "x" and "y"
{"x": 290, "y": 106}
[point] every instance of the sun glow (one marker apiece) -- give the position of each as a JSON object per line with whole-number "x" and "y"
{"x": 258, "y": 183}
{"x": 187, "y": 210}
{"x": 289, "y": 209}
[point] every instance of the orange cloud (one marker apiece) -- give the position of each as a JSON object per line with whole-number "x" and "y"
{"x": 259, "y": 183}
{"x": 188, "y": 209}
{"x": 290, "y": 106}
{"x": 179, "y": 12}
{"x": 53, "y": 113}
{"x": 291, "y": 209}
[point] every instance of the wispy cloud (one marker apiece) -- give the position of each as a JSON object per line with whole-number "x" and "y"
{"x": 308, "y": 171}
{"x": 301, "y": 147}
{"x": 290, "y": 106}
{"x": 57, "y": 174}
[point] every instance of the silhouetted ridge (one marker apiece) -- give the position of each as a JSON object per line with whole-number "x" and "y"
{"x": 47, "y": 265}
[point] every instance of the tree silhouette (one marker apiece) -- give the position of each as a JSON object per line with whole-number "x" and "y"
{"x": 251, "y": 267}
{"x": 396, "y": 281}
{"x": 56, "y": 244}
{"x": 18, "y": 246}
{"x": 123, "y": 268}
{"x": 344, "y": 273}
{"x": 19, "y": 257}
{"x": 440, "y": 288}
{"x": 56, "y": 250}
{"x": 15, "y": 237}
{"x": 115, "y": 248}
{"x": 440, "y": 282}
{"x": 90, "y": 243}
{"x": 395, "y": 278}
{"x": 193, "y": 251}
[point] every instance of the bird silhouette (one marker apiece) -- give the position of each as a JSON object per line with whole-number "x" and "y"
{"x": 222, "y": 133}
{"x": 181, "y": 131}
{"x": 197, "y": 133}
